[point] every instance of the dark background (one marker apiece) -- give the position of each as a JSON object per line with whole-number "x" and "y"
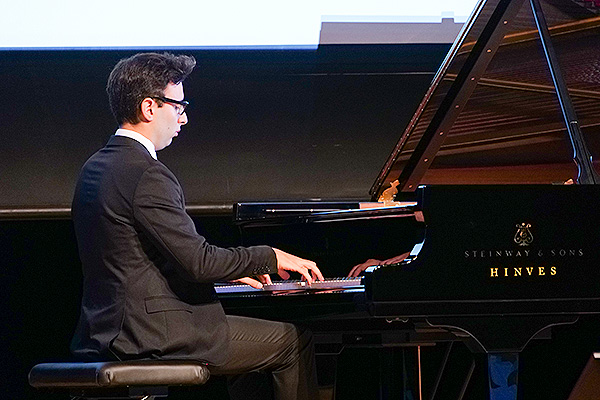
{"x": 265, "y": 124}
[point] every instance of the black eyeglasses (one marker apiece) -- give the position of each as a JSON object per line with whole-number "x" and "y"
{"x": 180, "y": 105}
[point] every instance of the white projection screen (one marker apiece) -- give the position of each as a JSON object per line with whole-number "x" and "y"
{"x": 187, "y": 23}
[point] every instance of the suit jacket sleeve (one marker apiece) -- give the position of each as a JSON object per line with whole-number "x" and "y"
{"x": 159, "y": 212}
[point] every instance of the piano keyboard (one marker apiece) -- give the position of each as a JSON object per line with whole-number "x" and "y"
{"x": 327, "y": 284}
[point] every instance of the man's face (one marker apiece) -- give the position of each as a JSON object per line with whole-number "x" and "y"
{"x": 168, "y": 121}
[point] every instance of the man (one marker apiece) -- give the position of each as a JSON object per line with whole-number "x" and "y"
{"x": 148, "y": 275}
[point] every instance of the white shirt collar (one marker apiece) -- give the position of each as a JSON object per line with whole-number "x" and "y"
{"x": 140, "y": 138}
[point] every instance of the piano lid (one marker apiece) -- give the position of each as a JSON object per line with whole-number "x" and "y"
{"x": 491, "y": 114}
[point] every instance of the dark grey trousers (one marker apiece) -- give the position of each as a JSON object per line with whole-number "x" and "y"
{"x": 281, "y": 349}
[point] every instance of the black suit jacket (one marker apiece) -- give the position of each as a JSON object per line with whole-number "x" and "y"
{"x": 147, "y": 289}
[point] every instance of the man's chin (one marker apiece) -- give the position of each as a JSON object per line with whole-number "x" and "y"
{"x": 165, "y": 145}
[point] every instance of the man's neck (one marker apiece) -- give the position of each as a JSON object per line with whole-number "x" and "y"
{"x": 139, "y": 128}
{"x": 138, "y": 136}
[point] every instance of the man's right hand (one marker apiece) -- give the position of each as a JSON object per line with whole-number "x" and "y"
{"x": 288, "y": 262}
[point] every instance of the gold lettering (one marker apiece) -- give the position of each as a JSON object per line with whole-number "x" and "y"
{"x": 518, "y": 271}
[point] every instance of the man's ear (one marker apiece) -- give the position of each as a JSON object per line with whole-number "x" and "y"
{"x": 147, "y": 109}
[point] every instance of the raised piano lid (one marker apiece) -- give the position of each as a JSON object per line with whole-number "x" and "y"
{"x": 491, "y": 114}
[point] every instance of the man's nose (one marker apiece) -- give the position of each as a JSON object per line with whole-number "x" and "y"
{"x": 183, "y": 119}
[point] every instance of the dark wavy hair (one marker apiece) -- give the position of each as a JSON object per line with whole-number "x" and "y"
{"x": 140, "y": 76}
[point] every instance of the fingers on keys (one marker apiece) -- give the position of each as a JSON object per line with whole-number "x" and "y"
{"x": 306, "y": 268}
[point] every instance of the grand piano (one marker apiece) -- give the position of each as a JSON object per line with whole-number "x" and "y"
{"x": 492, "y": 184}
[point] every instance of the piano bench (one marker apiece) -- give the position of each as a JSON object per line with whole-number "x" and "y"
{"x": 138, "y": 379}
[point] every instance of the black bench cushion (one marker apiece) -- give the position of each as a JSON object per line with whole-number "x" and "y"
{"x": 118, "y": 374}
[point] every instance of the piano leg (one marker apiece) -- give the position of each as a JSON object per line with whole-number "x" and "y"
{"x": 503, "y": 370}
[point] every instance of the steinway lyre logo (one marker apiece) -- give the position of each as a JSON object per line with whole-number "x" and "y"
{"x": 523, "y": 237}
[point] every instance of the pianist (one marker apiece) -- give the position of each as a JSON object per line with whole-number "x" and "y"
{"x": 147, "y": 291}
